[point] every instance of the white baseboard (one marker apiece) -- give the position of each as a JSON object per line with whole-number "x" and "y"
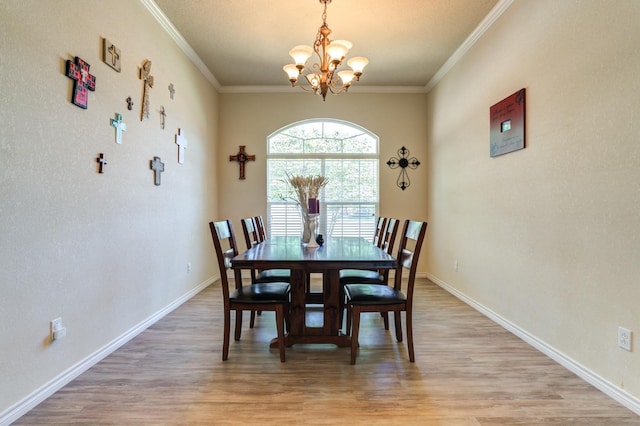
{"x": 613, "y": 391}
{"x": 23, "y": 406}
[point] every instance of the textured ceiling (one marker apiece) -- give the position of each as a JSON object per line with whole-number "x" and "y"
{"x": 246, "y": 42}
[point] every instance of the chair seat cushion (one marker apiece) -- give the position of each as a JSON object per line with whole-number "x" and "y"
{"x": 357, "y": 276}
{"x": 261, "y": 293}
{"x": 272, "y": 275}
{"x": 373, "y": 294}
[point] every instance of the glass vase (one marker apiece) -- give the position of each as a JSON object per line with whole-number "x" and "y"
{"x": 309, "y": 227}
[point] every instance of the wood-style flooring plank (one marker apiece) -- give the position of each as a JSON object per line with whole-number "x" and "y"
{"x": 468, "y": 371}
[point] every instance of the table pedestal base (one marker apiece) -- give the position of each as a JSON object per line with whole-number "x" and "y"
{"x": 341, "y": 341}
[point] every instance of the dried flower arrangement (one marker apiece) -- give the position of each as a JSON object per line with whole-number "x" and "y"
{"x": 306, "y": 187}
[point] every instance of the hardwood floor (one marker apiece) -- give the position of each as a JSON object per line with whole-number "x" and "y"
{"x": 468, "y": 371}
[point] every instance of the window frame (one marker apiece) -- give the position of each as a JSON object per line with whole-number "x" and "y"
{"x": 366, "y": 225}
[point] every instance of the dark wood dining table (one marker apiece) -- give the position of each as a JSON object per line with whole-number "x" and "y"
{"x": 287, "y": 252}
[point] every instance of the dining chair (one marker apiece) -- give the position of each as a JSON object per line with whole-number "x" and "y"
{"x": 363, "y": 276}
{"x": 252, "y": 238}
{"x": 266, "y": 296}
{"x": 366, "y": 297}
{"x": 259, "y": 222}
{"x": 381, "y": 223}
{"x": 387, "y": 240}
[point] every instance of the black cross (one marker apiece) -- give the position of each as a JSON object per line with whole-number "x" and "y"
{"x": 101, "y": 162}
{"x": 158, "y": 167}
{"x": 403, "y": 178}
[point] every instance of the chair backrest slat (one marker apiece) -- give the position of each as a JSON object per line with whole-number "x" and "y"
{"x": 409, "y": 249}
{"x": 378, "y": 237}
{"x": 390, "y": 233}
{"x": 224, "y": 241}
{"x": 260, "y": 228}
{"x": 251, "y": 237}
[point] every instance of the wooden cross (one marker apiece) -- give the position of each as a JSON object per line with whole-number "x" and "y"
{"x": 163, "y": 115}
{"x": 171, "y": 90}
{"x": 78, "y": 71}
{"x": 182, "y": 143}
{"x": 101, "y": 162}
{"x": 242, "y": 157}
{"x": 120, "y": 126}
{"x": 145, "y": 74}
{"x": 158, "y": 167}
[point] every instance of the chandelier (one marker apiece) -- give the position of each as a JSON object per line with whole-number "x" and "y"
{"x": 321, "y": 77}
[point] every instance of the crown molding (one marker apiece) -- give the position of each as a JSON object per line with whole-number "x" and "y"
{"x": 486, "y": 23}
{"x": 180, "y": 41}
{"x": 352, "y": 89}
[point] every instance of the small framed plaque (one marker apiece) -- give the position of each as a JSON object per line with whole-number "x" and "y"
{"x": 507, "y": 124}
{"x": 111, "y": 55}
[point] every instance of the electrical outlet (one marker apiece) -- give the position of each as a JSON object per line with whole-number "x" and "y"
{"x": 57, "y": 331}
{"x": 455, "y": 265}
{"x": 624, "y": 338}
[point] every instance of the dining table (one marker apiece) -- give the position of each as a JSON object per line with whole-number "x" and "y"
{"x": 336, "y": 253}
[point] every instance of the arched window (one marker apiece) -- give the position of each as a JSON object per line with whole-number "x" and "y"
{"x": 346, "y": 154}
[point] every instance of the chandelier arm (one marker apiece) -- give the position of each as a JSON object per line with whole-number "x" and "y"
{"x": 309, "y": 89}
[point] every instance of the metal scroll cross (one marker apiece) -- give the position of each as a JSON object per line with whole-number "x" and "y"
{"x": 242, "y": 157}
{"x": 120, "y": 126}
{"x": 158, "y": 167}
{"x": 403, "y": 162}
{"x": 78, "y": 71}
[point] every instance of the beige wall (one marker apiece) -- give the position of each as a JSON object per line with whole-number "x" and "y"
{"x": 547, "y": 237}
{"x": 103, "y": 251}
{"x": 247, "y": 119}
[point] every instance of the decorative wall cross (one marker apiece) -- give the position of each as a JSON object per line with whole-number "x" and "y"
{"x": 171, "y": 90}
{"x": 242, "y": 157}
{"x": 101, "y": 162}
{"x": 111, "y": 55}
{"x": 78, "y": 71}
{"x": 145, "y": 74}
{"x": 163, "y": 115}
{"x": 403, "y": 162}
{"x": 182, "y": 143}
{"x": 120, "y": 126}
{"x": 158, "y": 167}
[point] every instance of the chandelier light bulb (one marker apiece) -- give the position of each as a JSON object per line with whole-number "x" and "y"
{"x": 292, "y": 71}
{"x": 338, "y": 49}
{"x": 314, "y": 79}
{"x": 346, "y": 76}
{"x": 301, "y": 53}
{"x": 357, "y": 64}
